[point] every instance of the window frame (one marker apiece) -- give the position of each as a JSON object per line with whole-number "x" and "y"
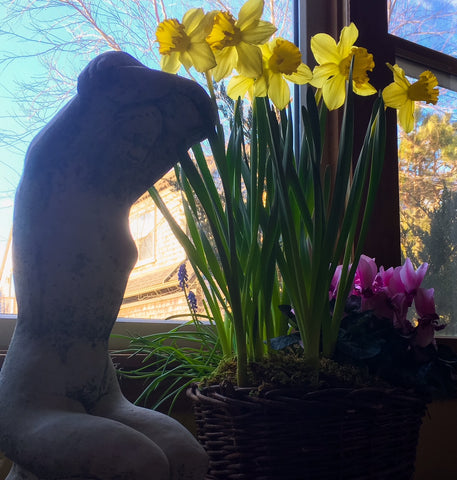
{"x": 383, "y": 240}
{"x": 384, "y": 236}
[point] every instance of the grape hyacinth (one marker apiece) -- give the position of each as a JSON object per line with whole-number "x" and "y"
{"x": 182, "y": 276}
{"x": 192, "y": 299}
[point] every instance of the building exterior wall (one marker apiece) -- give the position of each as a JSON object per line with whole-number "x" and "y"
{"x": 152, "y": 291}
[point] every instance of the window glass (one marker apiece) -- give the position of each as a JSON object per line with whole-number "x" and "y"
{"x": 428, "y": 200}
{"x": 43, "y": 47}
{"x": 428, "y": 156}
{"x": 142, "y": 226}
{"x": 430, "y": 23}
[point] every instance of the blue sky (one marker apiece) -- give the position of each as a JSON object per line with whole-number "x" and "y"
{"x": 11, "y": 155}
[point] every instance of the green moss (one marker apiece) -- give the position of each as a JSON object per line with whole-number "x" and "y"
{"x": 292, "y": 370}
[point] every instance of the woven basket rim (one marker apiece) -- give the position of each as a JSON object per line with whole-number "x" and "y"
{"x": 372, "y": 397}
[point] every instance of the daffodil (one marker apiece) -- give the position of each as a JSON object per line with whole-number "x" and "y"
{"x": 281, "y": 63}
{"x": 403, "y": 95}
{"x": 240, "y": 86}
{"x": 185, "y": 43}
{"x": 235, "y": 42}
{"x": 334, "y": 61}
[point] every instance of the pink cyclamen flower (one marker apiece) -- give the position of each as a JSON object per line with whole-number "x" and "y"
{"x": 428, "y": 322}
{"x": 373, "y": 288}
{"x": 406, "y": 280}
{"x": 379, "y": 303}
{"x": 411, "y": 278}
{"x": 335, "y": 283}
{"x": 424, "y": 302}
{"x": 400, "y": 305}
{"x": 382, "y": 279}
{"x": 365, "y": 275}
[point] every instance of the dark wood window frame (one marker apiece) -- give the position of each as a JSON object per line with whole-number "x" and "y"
{"x": 371, "y": 19}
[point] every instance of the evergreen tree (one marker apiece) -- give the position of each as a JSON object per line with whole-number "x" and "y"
{"x": 427, "y": 163}
{"x": 440, "y": 251}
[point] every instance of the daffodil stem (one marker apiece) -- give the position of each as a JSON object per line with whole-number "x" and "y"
{"x": 212, "y": 93}
{"x": 209, "y": 82}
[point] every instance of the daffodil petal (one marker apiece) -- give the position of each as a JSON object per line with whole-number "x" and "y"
{"x": 249, "y": 13}
{"x": 260, "y": 87}
{"x": 203, "y": 29}
{"x": 170, "y": 63}
{"x": 249, "y": 60}
{"x": 399, "y": 76}
{"x": 324, "y": 49}
{"x": 239, "y": 86}
{"x": 226, "y": 60}
{"x": 394, "y": 95}
{"x": 279, "y": 91}
{"x": 348, "y": 37}
{"x": 322, "y": 72}
{"x": 406, "y": 116}
{"x": 202, "y": 56}
{"x": 334, "y": 92}
{"x": 364, "y": 90}
{"x": 260, "y": 34}
{"x": 192, "y": 19}
{"x": 186, "y": 59}
{"x": 301, "y": 76}
{"x": 266, "y": 51}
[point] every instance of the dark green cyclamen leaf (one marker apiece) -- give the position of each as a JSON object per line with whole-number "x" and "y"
{"x": 279, "y": 343}
{"x": 359, "y": 350}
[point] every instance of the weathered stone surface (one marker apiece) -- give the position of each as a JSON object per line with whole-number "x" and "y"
{"x": 62, "y": 414}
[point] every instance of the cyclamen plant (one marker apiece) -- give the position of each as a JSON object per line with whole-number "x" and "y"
{"x": 390, "y": 293}
{"x": 379, "y": 332}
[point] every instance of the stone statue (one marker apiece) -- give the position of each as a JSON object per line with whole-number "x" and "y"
{"x": 62, "y": 414}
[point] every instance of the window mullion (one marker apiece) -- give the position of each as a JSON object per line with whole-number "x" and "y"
{"x": 414, "y": 58}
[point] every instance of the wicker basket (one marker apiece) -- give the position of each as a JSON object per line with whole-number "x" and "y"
{"x": 329, "y": 434}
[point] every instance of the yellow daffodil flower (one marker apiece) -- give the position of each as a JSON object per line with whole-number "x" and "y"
{"x": 240, "y": 86}
{"x": 234, "y": 42}
{"x": 281, "y": 63}
{"x": 402, "y": 95}
{"x": 185, "y": 43}
{"x": 334, "y": 61}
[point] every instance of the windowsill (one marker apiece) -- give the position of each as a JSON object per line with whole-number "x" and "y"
{"x": 123, "y": 326}
{"x": 7, "y": 324}
{"x": 129, "y": 327}
{"x": 134, "y": 327}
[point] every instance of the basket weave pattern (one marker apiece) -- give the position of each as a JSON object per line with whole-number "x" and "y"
{"x": 361, "y": 434}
